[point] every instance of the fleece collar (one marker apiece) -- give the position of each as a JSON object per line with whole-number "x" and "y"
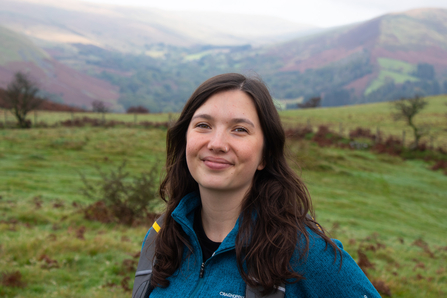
{"x": 184, "y": 215}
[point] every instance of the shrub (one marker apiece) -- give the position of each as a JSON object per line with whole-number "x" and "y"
{"x": 391, "y": 146}
{"x": 362, "y": 133}
{"x": 313, "y": 102}
{"x": 120, "y": 197}
{"x": 138, "y": 110}
{"x": 324, "y": 137}
{"x": 298, "y": 133}
{"x": 12, "y": 279}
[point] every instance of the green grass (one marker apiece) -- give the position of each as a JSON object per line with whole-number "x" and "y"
{"x": 397, "y": 65}
{"x": 386, "y": 76}
{"x": 47, "y": 162}
{"x": 391, "y": 69}
{"x": 16, "y": 47}
{"x": 375, "y": 116}
{"x": 52, "y": 118}
{"x": 360, "y": 197}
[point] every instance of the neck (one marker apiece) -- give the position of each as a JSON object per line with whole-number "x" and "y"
{"x": 220, "y": 211}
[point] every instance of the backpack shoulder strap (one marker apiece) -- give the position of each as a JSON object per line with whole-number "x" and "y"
{"x": 313, "y": 223}
{"x": 141, "y": 286}
{"x": 251, "y": 292}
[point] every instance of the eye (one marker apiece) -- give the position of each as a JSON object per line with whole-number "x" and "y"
{"x": 202, "y": 125}
{"x": 240, "y": 129}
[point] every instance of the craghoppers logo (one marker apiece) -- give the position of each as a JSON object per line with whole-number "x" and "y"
{"x": 230, "y": 295}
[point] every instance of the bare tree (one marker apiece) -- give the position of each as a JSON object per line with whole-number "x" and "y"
{"x": 406, "y": 109}
{"x": 98, "y": 106}
{"x": 137, "y": 110}
{"x": 313, "y": 102}
{"x": 21, "y": 97}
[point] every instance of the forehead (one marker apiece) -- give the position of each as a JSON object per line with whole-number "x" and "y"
{"x": 231, "y": 103}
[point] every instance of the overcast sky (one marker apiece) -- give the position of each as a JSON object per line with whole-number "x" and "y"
{"x": 322, "y": 13}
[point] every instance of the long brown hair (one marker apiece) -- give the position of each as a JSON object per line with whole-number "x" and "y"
{"x": 274, "y": 212}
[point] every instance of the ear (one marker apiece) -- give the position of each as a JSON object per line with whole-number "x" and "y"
{"x": 261, "y": 165}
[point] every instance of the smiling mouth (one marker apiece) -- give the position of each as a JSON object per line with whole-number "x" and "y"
{"x": 217, "y": 163}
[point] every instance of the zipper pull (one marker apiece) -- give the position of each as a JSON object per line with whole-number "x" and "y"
{"x": 202, "y": 270}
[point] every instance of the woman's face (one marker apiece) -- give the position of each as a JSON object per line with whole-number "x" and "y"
{"x": 224, "y": 142}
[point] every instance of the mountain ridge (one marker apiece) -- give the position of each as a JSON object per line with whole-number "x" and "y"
{"x": 414, "y": 37}
{"x": 387, "y": 57}
{"x": 129, "y": 29}
{"x": 57, "y": 81}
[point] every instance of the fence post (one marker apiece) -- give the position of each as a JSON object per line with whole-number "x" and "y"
{"x": 35, "y": 118}
{"x": 378, "y": 135}
{"x": 170, "y": 119}
{"x": 135, "y": 118}
{"x": 403, "y": 138}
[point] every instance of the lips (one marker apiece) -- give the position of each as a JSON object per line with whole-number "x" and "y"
{"x": 215, "y": 163}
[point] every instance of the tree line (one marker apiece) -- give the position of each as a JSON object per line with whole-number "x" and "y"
{"x": 21, "y": 96}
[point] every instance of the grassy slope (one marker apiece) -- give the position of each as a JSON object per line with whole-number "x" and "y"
{"x": 15, "y": 47}
{"x": 373, "y": 116}
{"x": 50, "y": 117}
{"x": 398, "y": 71}
{"x": 357, "y": 195}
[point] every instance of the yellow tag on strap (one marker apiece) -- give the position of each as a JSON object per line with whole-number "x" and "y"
{"x": 156, "y": 226}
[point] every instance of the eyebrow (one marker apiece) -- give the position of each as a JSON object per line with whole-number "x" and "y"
{"x": 234, "y": 120}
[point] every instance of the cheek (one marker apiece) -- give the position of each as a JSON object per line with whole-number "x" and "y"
{"x": 191, "y": 151}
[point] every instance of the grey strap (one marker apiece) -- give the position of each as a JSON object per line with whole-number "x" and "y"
{"x": 143, "y": 272}
{"x": 141, "y": 286}
{"x": 256, "y": 292}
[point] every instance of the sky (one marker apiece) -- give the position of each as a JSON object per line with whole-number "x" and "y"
{"x": 321, "y": 13}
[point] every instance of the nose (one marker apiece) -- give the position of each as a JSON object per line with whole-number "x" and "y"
{"x": 218, "y": 142}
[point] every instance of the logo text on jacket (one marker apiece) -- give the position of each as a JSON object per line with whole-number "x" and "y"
{"x": 230, "y": 295}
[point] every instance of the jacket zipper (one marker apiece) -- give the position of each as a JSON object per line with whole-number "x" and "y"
{"x": 202, "y": 270}
{"x": 202, "y": 267}
{"x": 199, "y": 284}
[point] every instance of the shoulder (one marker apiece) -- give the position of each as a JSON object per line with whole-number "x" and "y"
{"x": 328, "y": 272}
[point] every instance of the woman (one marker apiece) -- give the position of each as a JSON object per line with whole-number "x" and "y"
{"x": 237, "y": 214}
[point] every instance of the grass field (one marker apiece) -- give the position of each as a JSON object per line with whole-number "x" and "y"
{"x": 393, "y": 210}
{"x": 375, "y": 116}
{"x": 340, "y": 119}
{"x": 52, "y": 118}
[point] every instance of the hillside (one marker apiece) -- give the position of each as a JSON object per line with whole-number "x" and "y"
{"x": 57, "y": 81}
{"x": 157, "y": 59}
{"x": 378, "y": 204}
{"x": 390, "y": 56}
{"x": 134, "y": 30}
{"x": 377, "y": 60}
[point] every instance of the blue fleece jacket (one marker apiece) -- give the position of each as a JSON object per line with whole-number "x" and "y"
{"x": 220, "y": 276}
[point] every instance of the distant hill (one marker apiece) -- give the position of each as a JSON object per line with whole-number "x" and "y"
{"x": 57, "y": 81}
{"x": 134, "y": 30}
{"x": 394, "y": 55}
{"x": 156, "y": 58}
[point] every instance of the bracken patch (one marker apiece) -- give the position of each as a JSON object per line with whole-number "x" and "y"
{"x": 12, "y": 279}
{"x": 381, "y": 287}
{"x": 48, "y": 263}
{"x": 364, "y": 262}
{"x": 422, "y": 244}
